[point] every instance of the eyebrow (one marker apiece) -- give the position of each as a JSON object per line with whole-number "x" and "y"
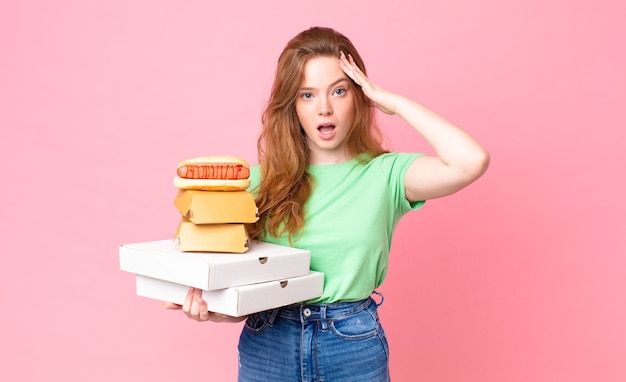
{"x": 330, "y": 86}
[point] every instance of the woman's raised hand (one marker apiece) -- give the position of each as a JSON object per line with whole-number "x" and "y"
{"x": 384, "y": 100}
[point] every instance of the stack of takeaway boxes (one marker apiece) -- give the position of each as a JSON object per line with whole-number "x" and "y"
{"x": 212, "y": 251}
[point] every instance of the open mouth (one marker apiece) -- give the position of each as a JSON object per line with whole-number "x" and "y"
{"x": 327, "y": 128}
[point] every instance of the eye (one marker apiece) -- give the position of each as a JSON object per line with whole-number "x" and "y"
{"x": 306, "y": 95}
{"x": 340, "y": 91}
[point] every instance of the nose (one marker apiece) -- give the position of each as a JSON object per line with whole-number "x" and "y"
{"x": 325, "y": 108}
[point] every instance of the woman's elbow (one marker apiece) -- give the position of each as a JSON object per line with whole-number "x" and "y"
{"x": 478, "y": 164}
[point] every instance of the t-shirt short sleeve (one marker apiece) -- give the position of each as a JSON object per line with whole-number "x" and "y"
{"x": 394, "y": 166}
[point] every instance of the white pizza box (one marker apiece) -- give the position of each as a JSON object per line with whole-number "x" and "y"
{"x": 241, "y": 300}
{"x": 214, "y": 270}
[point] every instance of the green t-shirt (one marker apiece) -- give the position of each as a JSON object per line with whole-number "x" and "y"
{"x": 349, "y": 222}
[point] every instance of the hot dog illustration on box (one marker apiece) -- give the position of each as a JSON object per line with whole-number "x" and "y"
{"x": 213, "y": 173}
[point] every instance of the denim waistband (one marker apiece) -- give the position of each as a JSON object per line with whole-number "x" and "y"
{"x": 323, "y": 312}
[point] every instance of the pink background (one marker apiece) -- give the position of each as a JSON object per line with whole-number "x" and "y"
{"x": 518, "y": 278}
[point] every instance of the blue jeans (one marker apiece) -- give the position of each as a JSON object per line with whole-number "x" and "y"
{"x": 315, "y": 342}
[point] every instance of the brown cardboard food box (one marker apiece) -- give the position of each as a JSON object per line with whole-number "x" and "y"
{"x": 218, "y": 237}
{"x": 213, "y": 221}
{"x": 210, "y": 207}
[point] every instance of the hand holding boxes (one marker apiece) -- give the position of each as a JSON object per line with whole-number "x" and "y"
{"x": 208, "y": 248}
{"x": 265, "y": 277}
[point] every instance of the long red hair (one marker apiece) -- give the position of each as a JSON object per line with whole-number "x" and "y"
{"x": 283, "y": 153}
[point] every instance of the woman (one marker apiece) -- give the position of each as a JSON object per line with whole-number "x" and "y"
{"x": 325, "y": 183}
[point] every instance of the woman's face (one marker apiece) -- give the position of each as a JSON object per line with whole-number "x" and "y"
{"x": 325, "y": 109}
